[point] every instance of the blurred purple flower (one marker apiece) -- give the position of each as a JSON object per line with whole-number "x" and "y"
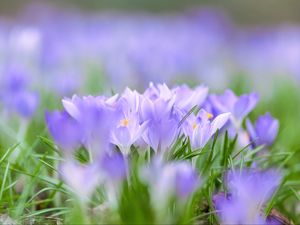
{"x": 64, "y": 129}
{"x": 265, "y": 130}
{"x": 249, "y": 191}
{"x": 95, "y": 116}
{"x": 82, "y": 179}
{"x": 114, "y": 166}
{"x": 201, "y": 128}
{"x": 187, "y": 98}
{"x": 15, "y": 93}
{"x": 167, "y": 180}
{"x": 239, "y": 107}
{"x": 26, "y": 104}
{"x": 187, "y": 180}
{"x": 15, "y": 79}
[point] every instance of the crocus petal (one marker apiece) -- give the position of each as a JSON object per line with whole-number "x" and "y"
{"x": 219, "y": 122}
{"x": 64, "y": 130}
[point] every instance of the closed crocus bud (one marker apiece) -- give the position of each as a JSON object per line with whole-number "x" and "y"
{"x": 187, "y": 180}
{"x": 265, "y": 130}
{"x": 113, "y": 166}
{"x": 162, "y": 123}
{"x": 64, "y": 130}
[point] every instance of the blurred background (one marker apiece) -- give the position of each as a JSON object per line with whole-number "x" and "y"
{"x": 243, "y": 12}
{"x": 58, "y": 48}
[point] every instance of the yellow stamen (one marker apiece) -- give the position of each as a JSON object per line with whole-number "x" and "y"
{"x": 194, "y": 126}
{"x": 124, "y": 122}
{"x": 209, "y": 115}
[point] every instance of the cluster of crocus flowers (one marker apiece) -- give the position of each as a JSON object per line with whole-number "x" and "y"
{"x": 152, "y": 119}
{"x": 111, "y": 128}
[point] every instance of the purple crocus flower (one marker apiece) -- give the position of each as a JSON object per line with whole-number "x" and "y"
{"x": 187, "y": 180}
{"x": 64, "y": 129}
{"x": 166, "y": 180}
{"x": 95, "y": 116}
{"x": 249, "y": 192}
{"x": 265, "y": 130}
{"x": 162, "y": 123}
{"x": 26, "y": 104}
{"x": 201, "y": 128}
{"x": 239, "y": 107}
{"x": 127, "y": 132}
{"x": 159, "y": 91}
{"x": 129, "y": 129}
{"x": 113, "y": 166}
{"x": 186, "y": 98}
{"x": 130, "y": 101}
{"x": 15, "y": 92}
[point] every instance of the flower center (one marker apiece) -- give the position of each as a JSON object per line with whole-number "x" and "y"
{"x": 124, "y": 122}
{"x": 194, "y": 126}
{"x": 209, "y": 115}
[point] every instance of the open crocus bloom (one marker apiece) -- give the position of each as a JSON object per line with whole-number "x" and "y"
{"x": 239, "y": 107}
{"x": 127, "y": 132}
{"x": 202, "y": 127}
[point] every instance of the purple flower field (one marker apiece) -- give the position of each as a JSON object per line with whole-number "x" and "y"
{"x": 123, "y": 117}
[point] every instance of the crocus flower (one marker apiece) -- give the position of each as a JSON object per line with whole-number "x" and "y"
{"x": 187, "y": 180}
{"x": 26, "y": 104}
{"x": 127, "y": 132}
{"x": 130, "y": 101}
{"x": 249, "y": 191}
{"x": 159, "y": 91}
{"x": 239, "y": 107}
{"x": 166, "y": 180}
{"x": 265, "y": 130}
{"x": 15, "y": 92}
{"x": 95, "y": 116}
{"x": 162, "y": 123}
{"x": 186, "y": 98}
{"x": 202, "y": 127}
{"x": 82, "y": 179}
{"x": 113, "y": 166}
{"x": 129, "y": 129}
{"x": 64, "y": 130}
